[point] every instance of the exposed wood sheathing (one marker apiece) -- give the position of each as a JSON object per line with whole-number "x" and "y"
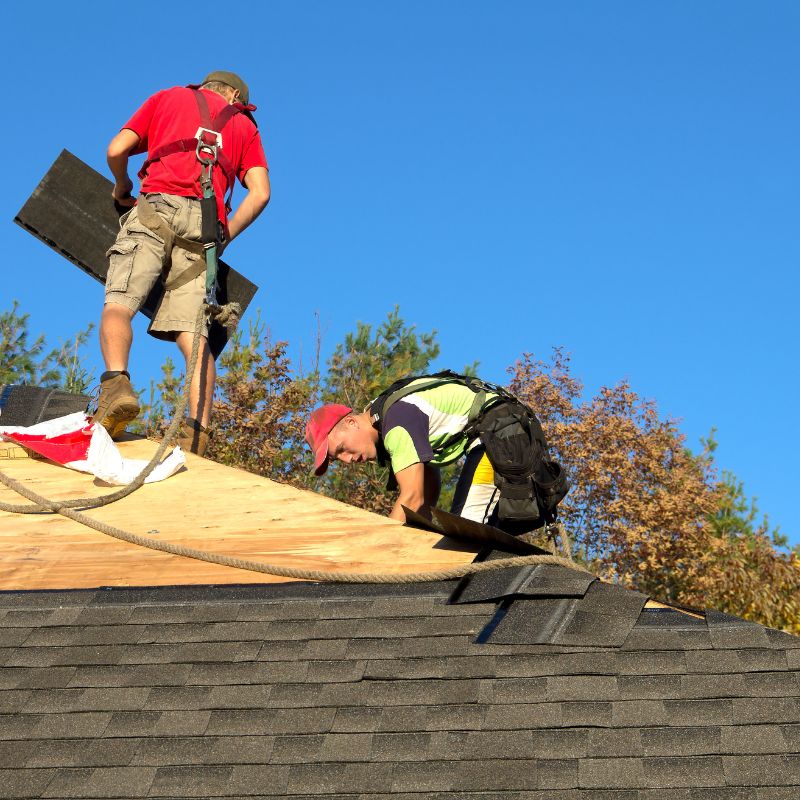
{"x": 207, "y": 506}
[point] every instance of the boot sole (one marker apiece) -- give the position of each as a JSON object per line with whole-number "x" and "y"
{"x": 116, "y": 422}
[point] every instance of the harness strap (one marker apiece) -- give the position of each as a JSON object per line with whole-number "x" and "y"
{"x": 190, "y": 145}
{"x": 153, "y": 221}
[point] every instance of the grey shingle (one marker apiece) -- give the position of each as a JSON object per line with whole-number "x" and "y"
{"x": 157, "y": 751}
{"x": 403, "y": 747}
{"x": 614, "y": 742}
{"x": 610, "y": 773}
{"x": 194, "y": 781}
{"x": 762, "y": 770}
{"x": 386, "y": 696}
{"x": 18, "y": 783}
{"x": 330, "y": 778}
{"x": 660, "y": 662}
{"x": 753, "y": 739}
{"x": 681, "y": 741}
{"x": 101, "y": 782}
{"x": 84, "y": 753}
{"x": 538, "y": 715}
{"x": 298, "y": 749}
{"x": 158, "y": 723}
{"x": 556, "y": 773}
{"x": 683, "y": 771}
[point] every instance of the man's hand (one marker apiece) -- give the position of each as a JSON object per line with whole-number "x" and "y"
{"x": 122, "y": 193}
{"x": 120, "y": 148}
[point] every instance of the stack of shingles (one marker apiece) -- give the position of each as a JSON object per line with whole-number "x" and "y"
{"x": 376, "y": 692}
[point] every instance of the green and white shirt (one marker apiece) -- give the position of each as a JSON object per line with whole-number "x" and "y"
{"x": 415, "y": 427}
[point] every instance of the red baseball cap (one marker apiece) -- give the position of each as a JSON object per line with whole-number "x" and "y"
{"x": 319, "y": 425}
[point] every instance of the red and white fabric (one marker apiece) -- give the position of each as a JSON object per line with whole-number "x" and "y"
{"x": 76, "y": 442}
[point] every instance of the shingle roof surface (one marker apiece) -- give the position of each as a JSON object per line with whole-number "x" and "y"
{"x": 298, "y": 690}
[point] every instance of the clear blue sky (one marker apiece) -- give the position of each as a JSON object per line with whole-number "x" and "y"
{"x": 619, "y": 178}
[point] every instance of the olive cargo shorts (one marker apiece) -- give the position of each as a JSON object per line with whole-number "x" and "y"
{"x": 137, "y": 260}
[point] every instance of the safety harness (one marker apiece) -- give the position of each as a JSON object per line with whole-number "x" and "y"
{"x": 207, "y": 147}
{"x": 531, "y": 484}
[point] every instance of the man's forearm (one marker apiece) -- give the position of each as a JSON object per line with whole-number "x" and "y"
{"x": 249, "y": 209}
{"x": 414, "y": 502}
{"x": 118, "y": 164}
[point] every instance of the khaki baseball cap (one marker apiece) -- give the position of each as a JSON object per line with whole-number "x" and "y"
{"x": 231, "y": 79}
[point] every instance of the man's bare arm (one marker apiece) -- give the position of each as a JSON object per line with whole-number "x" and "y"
{"x": 117, "y": 155}
{"x": 256, "y": 179}
{"x": 419, "y": 486}
{"x": 411, "y": 482}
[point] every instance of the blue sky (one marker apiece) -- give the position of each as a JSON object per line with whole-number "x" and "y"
{"x": 619, "y": 178}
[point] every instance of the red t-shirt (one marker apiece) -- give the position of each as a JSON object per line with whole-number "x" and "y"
{"x": 172, "y": 114}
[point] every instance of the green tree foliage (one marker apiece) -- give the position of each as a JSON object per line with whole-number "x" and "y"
{"x": 29, "y": 361}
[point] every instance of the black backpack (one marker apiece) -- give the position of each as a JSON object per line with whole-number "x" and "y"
{"x": 531, "y": 484}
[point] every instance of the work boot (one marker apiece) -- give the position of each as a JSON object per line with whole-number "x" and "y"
{"x": 117, "y": 404}
{"x": 193, "y": 437}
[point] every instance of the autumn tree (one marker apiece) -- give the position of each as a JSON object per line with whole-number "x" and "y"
{"x": 646, "y": 511}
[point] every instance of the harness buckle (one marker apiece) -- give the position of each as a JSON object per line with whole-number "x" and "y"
{"x": 205, "y": 151}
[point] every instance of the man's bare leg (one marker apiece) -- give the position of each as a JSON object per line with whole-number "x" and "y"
{"x": 117, "y": 404}
{"x": 116, "y": 336}
{"x": 201, "y": 389}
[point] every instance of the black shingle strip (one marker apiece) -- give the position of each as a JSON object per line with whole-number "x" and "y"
{"x": 603, "y": 617}
{"x": 658, "y": 662}
{"x": 731, "y": 661}
{"x": 657, "y": 638}
{"x": 88, "y": 700}
{"x": 538, "y": 580}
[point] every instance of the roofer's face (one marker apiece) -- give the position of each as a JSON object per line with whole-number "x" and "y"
{"x": 352, "y": 442}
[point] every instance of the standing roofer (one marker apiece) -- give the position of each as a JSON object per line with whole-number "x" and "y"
{"x": 421, "y": 423}
{"x": 198, "y": 140}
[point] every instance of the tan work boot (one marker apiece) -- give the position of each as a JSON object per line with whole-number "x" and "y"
{"x": 117, "y": 404}
{"x": 192, "y": 437}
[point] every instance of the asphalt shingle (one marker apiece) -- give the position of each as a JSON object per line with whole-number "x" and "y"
{"x": 310, "y": 692}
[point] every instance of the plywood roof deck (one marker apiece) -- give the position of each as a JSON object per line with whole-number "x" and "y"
{"x": 207, "y": 506}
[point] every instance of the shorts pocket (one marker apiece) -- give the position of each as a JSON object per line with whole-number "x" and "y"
{"x": 120, "y": 264}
